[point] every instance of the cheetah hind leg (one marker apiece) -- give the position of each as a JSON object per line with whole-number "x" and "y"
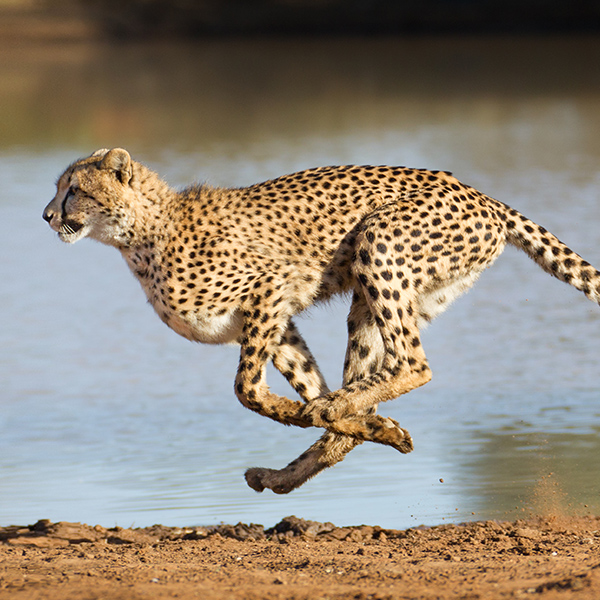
{"x": 367, "y": 368}
{"x": 365, "y": 356}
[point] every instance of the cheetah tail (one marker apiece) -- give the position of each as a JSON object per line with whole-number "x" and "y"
{"x": 552, "y": 255}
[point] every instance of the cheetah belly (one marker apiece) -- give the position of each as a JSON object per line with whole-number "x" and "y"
{"x": 206, "y": 328}
{"x": 435, "y": 301}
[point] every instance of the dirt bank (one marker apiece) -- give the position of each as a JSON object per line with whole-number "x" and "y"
{"x": 297, "y": 559}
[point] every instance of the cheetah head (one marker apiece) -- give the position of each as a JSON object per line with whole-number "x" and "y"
{"x": 94, "y": 198}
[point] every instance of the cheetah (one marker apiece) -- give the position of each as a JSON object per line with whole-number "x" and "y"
{"x": 235, "y": 265}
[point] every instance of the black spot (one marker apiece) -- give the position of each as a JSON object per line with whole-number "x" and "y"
{"x": 363, "y": 352}
{"x": 325, "y": 416}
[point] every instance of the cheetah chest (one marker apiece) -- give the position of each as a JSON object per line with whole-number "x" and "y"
{"x": 215, "y": 325}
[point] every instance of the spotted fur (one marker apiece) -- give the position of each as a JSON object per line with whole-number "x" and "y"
{"x": 224, "y": 265}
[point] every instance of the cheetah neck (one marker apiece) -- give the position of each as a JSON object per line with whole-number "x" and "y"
{"x": 150, "y": 212}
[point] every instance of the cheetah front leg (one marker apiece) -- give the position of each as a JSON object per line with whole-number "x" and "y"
{"x": 261, "y": 341}
{"x": 294, "y": 360}
{"x": 296, "y": 363}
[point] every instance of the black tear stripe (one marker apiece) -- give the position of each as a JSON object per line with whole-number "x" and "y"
{"x": 63, "y": 206}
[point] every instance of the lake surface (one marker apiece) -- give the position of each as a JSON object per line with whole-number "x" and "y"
{"x": 107, "y": 416}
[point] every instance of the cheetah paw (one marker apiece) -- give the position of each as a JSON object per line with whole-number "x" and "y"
{"x": 388, "y": 431}
{"x": 259, "y": 478}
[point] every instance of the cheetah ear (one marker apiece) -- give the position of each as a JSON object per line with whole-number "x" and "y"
{"x": 100, "y": 152}
{"x": 118, "y": 160}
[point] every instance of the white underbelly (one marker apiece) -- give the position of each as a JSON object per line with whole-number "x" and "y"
{"x": 207, "y": 329}
{"x": 434, "y": 302}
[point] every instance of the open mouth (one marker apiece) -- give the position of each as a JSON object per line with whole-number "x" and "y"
{"x": 70, "y": 227}
{"x": 71, "y": 231}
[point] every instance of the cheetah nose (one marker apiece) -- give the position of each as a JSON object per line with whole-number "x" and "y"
{"x": 47, "y": 216}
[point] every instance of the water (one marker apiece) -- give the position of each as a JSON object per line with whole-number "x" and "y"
{"x": 107, "y": 416}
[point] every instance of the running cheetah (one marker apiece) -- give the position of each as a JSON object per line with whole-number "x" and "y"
{"x": 224, "y": 265}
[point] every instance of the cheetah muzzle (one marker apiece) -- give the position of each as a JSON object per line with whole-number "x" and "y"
{"x": 224, "y": 265}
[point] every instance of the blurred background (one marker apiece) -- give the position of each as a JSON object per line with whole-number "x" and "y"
{"x": 198, "y": 18}
{"x": 107, "y": 416}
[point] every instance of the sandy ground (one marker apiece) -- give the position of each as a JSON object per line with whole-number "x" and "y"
{"x": 538, "y": 558}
